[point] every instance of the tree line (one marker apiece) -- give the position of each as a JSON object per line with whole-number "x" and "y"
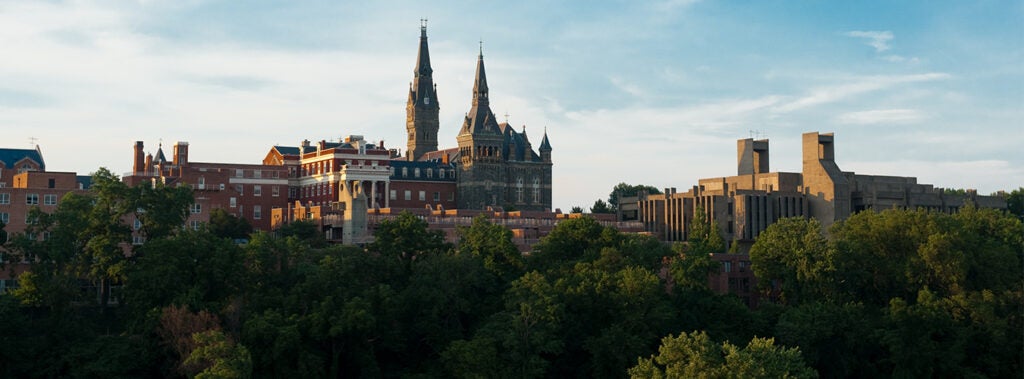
{"x": 896, "y": 293}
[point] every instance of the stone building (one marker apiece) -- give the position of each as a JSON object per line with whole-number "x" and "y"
{"x": 744, "y": 205}
{"x": 495, "y": 165}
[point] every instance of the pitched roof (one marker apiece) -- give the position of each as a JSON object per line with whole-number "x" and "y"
{"x": 10, "y": 157}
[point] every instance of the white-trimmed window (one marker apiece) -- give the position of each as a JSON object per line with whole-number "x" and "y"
{"x": 50, "y": 199}
{"x": 240, "y": 189}
{"x": 430, "y": 173}
{"x": 196, "y": 208}
{"x": 257, "y": 174}
{"x": 5, "y": 198}
{"x": 437, "y": 196}
{"x": 440, "y": 173}
{"x": 194, "y": 224}
{"x": 257, "y": 212}
{"x": 32, "y": 198}
{"x": 138, "y": 240}
{"x": 137, "y": 224}
{"x": 408, "y": 195}
{"x": 275, "y": 190}
{"x": 257, "y": 190}
{"x": 519, "y": 189}
{"x": 536, "y": 190}
{"x": 233, "y": 202}
{"x": 405, "y": 172}
{"x": 239, "y": 173}
{"x": 416, "y": 173}
{"x": 423, "y": 195}
{"x": 5, "y": 218}
{"x": 394, "y": 194}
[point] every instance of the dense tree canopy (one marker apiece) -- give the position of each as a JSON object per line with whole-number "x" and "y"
{"x": 897, "y": 293}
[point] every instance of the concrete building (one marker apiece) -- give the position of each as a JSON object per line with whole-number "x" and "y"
{"x": 744, "y": 205}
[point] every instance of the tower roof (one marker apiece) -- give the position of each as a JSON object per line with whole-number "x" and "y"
{"x": 423, "y": 59}
{"x": 544, "y": 144}
{"x": 480, "y": 83}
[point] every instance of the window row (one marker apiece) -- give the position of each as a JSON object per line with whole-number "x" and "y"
{"x": 30, "y": 199}
{"x": 407, "y": 195}
{"x": 428, "y": 173}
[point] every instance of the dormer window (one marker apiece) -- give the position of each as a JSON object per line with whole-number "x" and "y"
{"x": 426, "y": 100}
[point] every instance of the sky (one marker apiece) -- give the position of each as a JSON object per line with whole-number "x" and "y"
{"x": 653, "y": 93}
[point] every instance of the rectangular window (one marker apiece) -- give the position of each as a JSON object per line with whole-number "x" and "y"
{"x": 440, "y": 173}
{"x": 257, "y": 174}
{"x": 727, "y": 266}
{"x": 451, "y": 196}
{"x": 50, "y": 199}
{"x": 32, "y": 198}
{"x": 423, "y": 195}
{"x": 52, "y": 183}
{"x": 257, "y": 190}
{"x": 437, "y": 196}
{"x": 394, "y": 194}
{"x": 5, "y": 198}
{"x": 275, "y": 190}
{"x": 137, "y": 224}
{"x": 234, "y": 202}
{"x": 138, "y": 240}
{"x": 416, "y": 173}
{"x": 257, "y": 212}
{"x": 240, "y": 189}
{"x": 195, "y": 224}
{"x": 239, "y": 173}
{"x": 408, "y": 195}
{"x": 5, "y": 218}
{"x": 196, "y": 208}
{"x": 430, "y": 173}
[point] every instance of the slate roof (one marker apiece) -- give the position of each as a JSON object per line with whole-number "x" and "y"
{"x": 411, "y": 166}
{"x": 10, "y": 157}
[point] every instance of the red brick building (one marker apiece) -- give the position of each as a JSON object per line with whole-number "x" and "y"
{"x": 249, "y": 191}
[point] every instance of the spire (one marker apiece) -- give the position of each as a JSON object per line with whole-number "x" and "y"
{"x": 423, "y": 59}
{"x": 544, "y": 144}
{"x": 480, "y": 84}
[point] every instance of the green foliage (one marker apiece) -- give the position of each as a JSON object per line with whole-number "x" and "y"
{"x": 704, "y": 236}
{"x": 695, "y": 355}
{"x": 601, "y": 207}
{"x": 794, "y": 256}
{"x": 576, "y": 209}
{"x": 407, "y": 237}
{"x": 493, "y": 243}
{"x": 216, "y": 356}
{"x": 627, "y": 190}
{"x": 1015, "y": 202}
{"x": 226, "y": 225}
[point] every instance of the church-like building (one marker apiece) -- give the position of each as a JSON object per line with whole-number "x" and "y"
{"x": 495, "y": 165}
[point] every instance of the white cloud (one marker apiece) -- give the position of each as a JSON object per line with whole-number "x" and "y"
{"x": 877, "y": 39}
{"x": 857, "y": 86}
{"x": 881, "y": 116}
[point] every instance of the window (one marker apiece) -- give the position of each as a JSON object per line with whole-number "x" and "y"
{"x": 5, "y": 198}
{"x": 221, "y": 186}
{"x": 519, "y": 189}
{"x": 423, "y": 195}
{"x": 5, "y": 218}
{"x": 137, "y": 224}
{"x": 239, "y": 188}
{"x": 437, "y": 196}
{"x": 138, "y": 240}
{"x": 430, "y": 173}
{"x": 451, "y": 196}
{"x": 726, "y": 266}
{"x": 52, "y": 183}
{"x": 536, "y": 190}
{"x": 257, "y": 212}
{"x": 275, "y": 191}
{"x": 202, "y": 182}
{"x": 234, "y": 202}
{"x": 416, "y": 173}
{"x": 194, "y": 224}
{"x": 743, "y": 266}
{"x": 408, "y": 195}
{"x": 405, "y": 171}
{"x": 394, "y": 194}
{"x": 257, "y": 190}
{"x": 391, "y": 171}
{"x": 257, "y": 174}
{"x": 29, "y": 220}
{"x": 32, "y": 198}
{"x": 50, "y": 199}
{"x": 196, "y": 208}
{"x": 239, "y": 173}
{"x": 440, "y": 173}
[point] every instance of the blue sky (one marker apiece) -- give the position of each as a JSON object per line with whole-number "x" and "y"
{"x": 639, "y": 92}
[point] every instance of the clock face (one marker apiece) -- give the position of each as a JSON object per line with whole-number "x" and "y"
{"x": 426, "y": 100}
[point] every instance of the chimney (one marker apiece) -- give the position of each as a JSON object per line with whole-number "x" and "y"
{"x": 139, "y": 161}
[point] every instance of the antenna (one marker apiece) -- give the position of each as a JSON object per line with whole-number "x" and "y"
{"x": 506, "y": 117}
{"x": 33, "y": 141}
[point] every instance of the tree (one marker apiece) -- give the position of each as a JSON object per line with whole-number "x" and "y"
{"x": 692, "y": 355}
{"x": 1015, "y": 203}
{"x": 626, "y": 190}
{"x": 492, "y": 243}
{"x": 576, "y": 209}
{"x": 793, "y": 254}
{"x": 217, "y": 356}
{"x": 226, "y": 225}
{"x": 704, "y": 236}
{"x": 160, "y": 209}
{"x": 406, "y": 237}
{"x": 601, "y": 207}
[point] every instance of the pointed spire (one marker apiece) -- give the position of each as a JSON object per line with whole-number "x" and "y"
{"x": 544, "y": 144}
{"x": 423, "y": 59}
{"x": 480, "y": 84}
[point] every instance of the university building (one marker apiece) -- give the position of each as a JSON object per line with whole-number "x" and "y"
{"x": 744, "y": 205}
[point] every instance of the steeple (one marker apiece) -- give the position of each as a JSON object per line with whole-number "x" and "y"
{"x": 422, "y": 119}
{"x": 545, "y": 147}
{"x": 480, "y": 83}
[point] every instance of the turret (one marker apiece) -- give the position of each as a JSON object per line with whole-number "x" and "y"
{"x": 422, "y": 119}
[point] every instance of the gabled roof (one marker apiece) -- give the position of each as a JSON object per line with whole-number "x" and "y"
{"x": 10, "y": 157}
